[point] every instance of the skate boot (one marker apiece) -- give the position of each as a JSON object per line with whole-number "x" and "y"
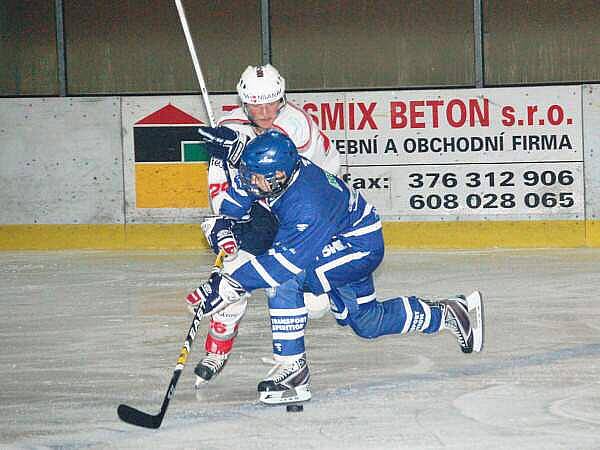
{"x": 209, "y": 367}
{"x": 456, "y": 318}
{"x": 286, "y": 383}
{"x": 218, "y": 345}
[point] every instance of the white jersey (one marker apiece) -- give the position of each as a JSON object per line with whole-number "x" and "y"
{"x": 311, "y": 142}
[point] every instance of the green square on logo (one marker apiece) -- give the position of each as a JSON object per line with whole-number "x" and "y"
{"x": 195, "y": 152}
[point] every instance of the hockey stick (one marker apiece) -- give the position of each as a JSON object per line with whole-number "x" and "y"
{"x": 139, "y": 418}
{"x": 192, "y": 49}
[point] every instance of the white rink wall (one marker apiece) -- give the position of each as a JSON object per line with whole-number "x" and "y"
{"x": 61, "y": 161}
{"x": 591, "y": 139}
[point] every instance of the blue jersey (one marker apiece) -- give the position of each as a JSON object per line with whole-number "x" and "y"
{"x": 315, "y": 207}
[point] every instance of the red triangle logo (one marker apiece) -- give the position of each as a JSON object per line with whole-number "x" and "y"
{"x": 169, "y": 115}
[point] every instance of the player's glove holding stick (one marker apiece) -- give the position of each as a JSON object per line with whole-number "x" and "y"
{"x": 224, "y": 143}
{"x": 215, "y": 294}
{"x": 218, "y": 231}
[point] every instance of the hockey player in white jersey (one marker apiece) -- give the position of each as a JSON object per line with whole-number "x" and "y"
{"x": 261, "y": 90}
{"x": 330, "y": 238}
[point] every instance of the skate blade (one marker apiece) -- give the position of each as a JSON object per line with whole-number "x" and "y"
{"x": 475, "y": 303}
{"x": 300, "y": 394}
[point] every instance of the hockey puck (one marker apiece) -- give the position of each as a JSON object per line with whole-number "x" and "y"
{"x": 294, "y": 408}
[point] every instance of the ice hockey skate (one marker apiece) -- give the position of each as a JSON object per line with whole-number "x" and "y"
{"x": 286, "y": 383}
{"x": 457, "y": 318}
{"x": 209, "y": 367}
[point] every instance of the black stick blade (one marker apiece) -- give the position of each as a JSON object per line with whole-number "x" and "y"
{"x": 139, "y": 418}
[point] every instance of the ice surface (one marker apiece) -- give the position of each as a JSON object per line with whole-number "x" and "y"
{"x": 82, "y": 332}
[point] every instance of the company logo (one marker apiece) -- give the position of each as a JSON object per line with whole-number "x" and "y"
{"x": 171, "y": 164}
{"x": 266, "y": 159}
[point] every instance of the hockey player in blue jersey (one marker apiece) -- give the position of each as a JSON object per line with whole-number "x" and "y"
{"x": 261, "y": 91}
{"x": 330, "y": 238}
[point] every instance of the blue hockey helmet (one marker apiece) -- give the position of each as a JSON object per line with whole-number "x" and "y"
{"x": 269, "y": 154}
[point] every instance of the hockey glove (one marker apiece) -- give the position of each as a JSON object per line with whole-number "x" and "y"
{"x": 244, "y": 189}
{"x": 224, "y": 143}
{"x": 215, "y": 294}
{"x": 219, "y": 234}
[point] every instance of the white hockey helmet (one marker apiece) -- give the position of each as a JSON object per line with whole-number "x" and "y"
{"x": 261, "y": 84}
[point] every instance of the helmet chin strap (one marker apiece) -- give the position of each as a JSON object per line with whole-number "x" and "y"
{"x": 257, "y": 128}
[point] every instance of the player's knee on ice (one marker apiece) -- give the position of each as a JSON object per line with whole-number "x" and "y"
{"x": 367, "y": 321}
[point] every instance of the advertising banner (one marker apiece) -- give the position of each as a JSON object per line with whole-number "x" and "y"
{"x": 506, "y": 153}
{"x": 431, "y": 155}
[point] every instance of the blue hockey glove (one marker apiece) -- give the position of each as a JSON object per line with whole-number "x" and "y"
{"x": 215, "y": 294}
{"x": 245, "y": 189}
{"x": 219, "y": 234}
{"x": 224, "y": 143}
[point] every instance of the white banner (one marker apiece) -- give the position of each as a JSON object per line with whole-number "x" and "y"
{"x": 461, "y": 154}
{"x": 505, "y": 153}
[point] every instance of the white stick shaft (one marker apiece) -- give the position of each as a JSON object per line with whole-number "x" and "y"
{"x": 190, "y": 43}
